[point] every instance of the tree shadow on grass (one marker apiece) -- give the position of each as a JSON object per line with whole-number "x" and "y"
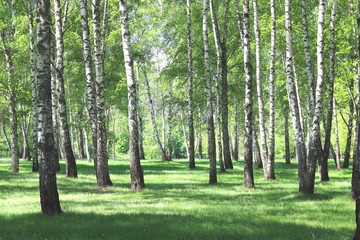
{"x": 157, "y": 226}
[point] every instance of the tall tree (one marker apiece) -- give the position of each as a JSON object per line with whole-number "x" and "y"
{"x": 248, "y": 152}
{"x": 7, "y": 38}
{"x": 102, "y": 168}
{"x": 49, "y": 196}
{"x": 136, "y": 172}
{"x": 305, "y": 185}
{"x": 71, "y": 170}
{"x": 209, "y": 105}
{"x": 34, "y": 97}
{"x": 190, "y": 86}
{"x": 90, "y": 84}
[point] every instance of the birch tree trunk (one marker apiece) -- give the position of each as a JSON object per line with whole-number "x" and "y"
{"x": 11, "y": 97}
{"x": 190, "y": 86}
{"x": 309, "y": 70}
{"x": 169, "y": 133}
{"x": 236, "y": 132}
{"x": 248, "y": 152}
{"x": 152, "y": 113}
{"x": 136, "y": 172}
{"x": 209, "y": 104}
{"x": 102, "y": 169}
{"x": 337, "y": 141}
{"x": 141, "y": 130}
{"x": 304, "y": 185}
{"x": 86, "y": 137}
{"x": 272, "y": 78}
{"x": 8, "y": 144}
{"x": 217, "y": 86}
{"x": 327, "y": 141}
{"x": 268, "y": 167}
{"x": 90, "y": 84}
{"x": 54, "y": 99}
{"x": 256, "y": 151}
{"x": 34, "y": 84}
{"x": 314, "y": 147}
{"x": 49, "y": 196}
{"x": 287, "y": 139}
{"x": 71, "y": 170}
{"x": 350, "y": 126}
{"x": 224, "y": 92}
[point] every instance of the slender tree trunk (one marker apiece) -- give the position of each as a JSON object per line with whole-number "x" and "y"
{"x": 141, "y": 141}
{"x": 11, "y": 97}
{"x": 152, "y": 113}
{"x": 90, "y": 84}
{"x": 350, "y": 129}
{"x": 136, "y": 172}
{"x": 327, "y": 142}
{"x": 272, "y": 78}
{"x": 81, "y": 150}
{"x": 248, "y": 151}
{"x": 258, "y": 161}
{"x": 315, "y": 148}
{"x": 86, "y": 137}
{"x": 34, "y": 84}
{"x": 24, "y": 129}
{"x": 184, "y": 134}
{"x": 236, "y": 132}
{"x": 217, "y": 86}
{"x": 309, "y": 63}
{"x": 8, "y": 144}
{"x": 169, "y": 133}
{"x": 71, "y": 170}
{"x": 209, "y": 104}
{"x": 49, "y": 196}
{"x": 337, "y": 151}
{"x": 239, "y": 23}
{"x": 304, "y": 184}
{"x": 102, "y": 169}
{"x": 54, "y": 99}
{"x": 287, "y": 140}
{"x": 269, "y": 172}
{"x": 163, "y": 142}
{"x": 190, "y": 86}
{"x": 224, "y": 93}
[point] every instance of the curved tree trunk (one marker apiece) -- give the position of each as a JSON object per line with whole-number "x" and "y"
{"x": 102, "y": 169}
{"x": 248, "y": 151}
{"x": 136, "y": 172}
{"x": 71, "y": 170}
{"x": 50, "y": 203}
{"x": 209, "y": 104}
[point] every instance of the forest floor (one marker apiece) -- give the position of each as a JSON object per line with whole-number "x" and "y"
{"x": 177, "y": 203}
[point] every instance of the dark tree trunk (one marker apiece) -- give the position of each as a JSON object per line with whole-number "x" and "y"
{"x": 141, "y": 140}
{"x": 357, "y": 219}
{"x": 81, "y": 150}
{"x": 258, "y": 162}
{"x": 50, "y": 203}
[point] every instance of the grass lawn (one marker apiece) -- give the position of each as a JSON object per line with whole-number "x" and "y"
{"x": 177, "y": 204}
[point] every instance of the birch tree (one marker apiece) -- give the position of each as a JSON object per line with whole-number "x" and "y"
{"x": 102, "y": 169}
{"x": 49, "y": 196}
{"x": 136, "y": 172}
{"x": 71, "y": 170}
{"x": 209, "y": 105}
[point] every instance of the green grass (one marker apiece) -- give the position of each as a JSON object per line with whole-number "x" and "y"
{"x": 177, "y": 204}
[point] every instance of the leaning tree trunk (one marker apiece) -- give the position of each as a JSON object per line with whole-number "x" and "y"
{"x": 34, "y": 88}
{"x": 11, "y": 97}
{"x": 191, "y": 151}
{"x": 71, "y": 170}
{"x": 8, "y": 144}
{"x": 152, "y": 113}
{"x": 90, "y": 84}
{"x": 141, "y": 141}
{"x": 329, "y": 117}
{"x": 272, "y": 78}
{"x": 136, "y": 172}
{"x": 304, "y": 185}
{"x": 217, "y": 86}
{"x": 315, "y": 149}
{"x": 337, "y": 141}
{"x": 248, "y": 151}
{"x": 209, "y": 104}
{"x": 50, "y": 203}
{"x": 102, "y": 168}
{"x": 269, "y": 172}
